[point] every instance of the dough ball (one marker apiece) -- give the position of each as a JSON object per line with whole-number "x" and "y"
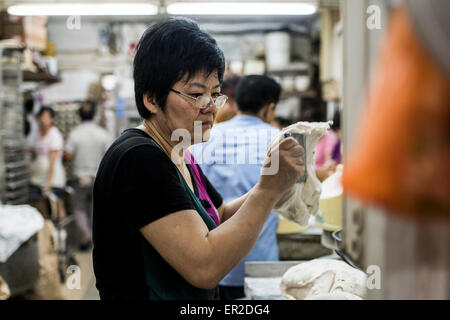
{"x": 321, "y": 277}
{"x": 335, "y": 296}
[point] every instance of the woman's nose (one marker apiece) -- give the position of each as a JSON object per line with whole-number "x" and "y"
{"x": 211, "y": 106}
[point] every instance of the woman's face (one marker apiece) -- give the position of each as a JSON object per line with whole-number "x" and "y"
{"x": 45, "y": 120}
{"x": 180, "y": 111}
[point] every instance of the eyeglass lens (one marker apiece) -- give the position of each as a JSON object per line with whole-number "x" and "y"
{"x": 203, "y": 101}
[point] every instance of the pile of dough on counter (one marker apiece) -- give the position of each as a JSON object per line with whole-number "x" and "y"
{"x": 302, "y": 200}
{"x": 323, "y": 279}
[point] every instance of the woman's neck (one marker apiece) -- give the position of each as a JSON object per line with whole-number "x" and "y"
{"x": 44, "y": 131}
{"x": 163, "y": 137}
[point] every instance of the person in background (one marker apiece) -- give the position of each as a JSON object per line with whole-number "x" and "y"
{"x": 328, "y": 149}
{"x": 229, "y": 110}
{"x": 86, "y": 145}
{"x": 47, "y": 171}
{"x": 256, "y": 97}
{"x": 336, "y": 153}
{"x": 281, "y": 122}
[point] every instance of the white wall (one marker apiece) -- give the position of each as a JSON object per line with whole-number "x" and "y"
{"x": 74, "y": 86}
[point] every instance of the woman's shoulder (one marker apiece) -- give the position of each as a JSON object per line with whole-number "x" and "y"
{"x": 54, "y": 132}
{"x": 53, "y": 136}
{"x": 133, "y": 157}
{"x": 136, "y": 146}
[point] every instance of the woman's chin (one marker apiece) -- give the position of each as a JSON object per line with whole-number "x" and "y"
{"x": 205, "y": 137}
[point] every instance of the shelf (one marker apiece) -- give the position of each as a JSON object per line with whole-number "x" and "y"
{"x": 11, "y": 44}
{"x": 301, "y": 94}
{"x": 296, "y": 68}
{"x": 40, "y": 77}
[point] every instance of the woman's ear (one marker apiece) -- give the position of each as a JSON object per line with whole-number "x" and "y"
{"x": 150, "y": 103}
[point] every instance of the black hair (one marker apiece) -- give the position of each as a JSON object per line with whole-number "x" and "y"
{"x": 283, "y": 121}
{"x": 87, "y": 110}
{"x": 255, "y": 91}
{"x": 44, "y": 109}
{"x": 229, "y": 84}
{"x": 167, "y": 51}
{"x": 312, "y": 114}
{"x": 28, "y": 105}
{"x": 336, "y": 121}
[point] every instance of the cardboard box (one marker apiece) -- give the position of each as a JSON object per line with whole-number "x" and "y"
{"x": 31, "y": 30}
{"x": 33, "y": 38}
{"x": 6, "y": 18}
{"x": 330, "y": 90}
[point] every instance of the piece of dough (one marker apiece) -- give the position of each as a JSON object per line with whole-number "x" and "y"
{"x": 321, "y": 277}
{"x": 335, "y": 296}
{"x": 302, "y": 200}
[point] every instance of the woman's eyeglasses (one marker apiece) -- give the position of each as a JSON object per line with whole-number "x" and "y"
{"x": 203, "y": 101}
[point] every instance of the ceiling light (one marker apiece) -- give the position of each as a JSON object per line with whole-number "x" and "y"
{"x": 83, "y": 9}
{"x": 241, "y": 8}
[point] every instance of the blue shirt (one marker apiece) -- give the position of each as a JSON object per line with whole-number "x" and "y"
{"x": 232, "y": 160}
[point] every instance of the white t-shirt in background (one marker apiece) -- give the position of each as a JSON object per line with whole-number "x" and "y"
{"x": 88, "y": 142}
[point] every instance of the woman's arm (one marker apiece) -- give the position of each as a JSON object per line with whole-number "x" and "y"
{"x": 51, "y": 169}
{"x": 226, "y": 210}
{"x": 204, "y": 257}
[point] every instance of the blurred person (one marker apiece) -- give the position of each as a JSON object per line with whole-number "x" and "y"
{"x": 86, "y": 145}
{"x": 328, "y": 150}
{"x": 229, "y": 110}
{"x": 47, "y": 171}
{"x": 336, "y": 153}
{"x": 256, "y": 97}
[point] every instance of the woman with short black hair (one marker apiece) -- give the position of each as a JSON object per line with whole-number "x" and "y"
{"x": 160, "y": 229}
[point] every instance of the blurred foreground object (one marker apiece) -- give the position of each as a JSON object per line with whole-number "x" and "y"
{"x": 48, "y": 286}
{"x": 4, "y": 290}
{"x": 401, "y": 159}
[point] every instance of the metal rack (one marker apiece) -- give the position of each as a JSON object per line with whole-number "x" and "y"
{"x": 14, "y": 163}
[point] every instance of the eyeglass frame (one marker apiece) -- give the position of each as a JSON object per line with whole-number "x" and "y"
{"x": 196, "y": 98}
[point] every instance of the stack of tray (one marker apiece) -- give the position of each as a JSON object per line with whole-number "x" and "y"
{"x": 14, "y": 163}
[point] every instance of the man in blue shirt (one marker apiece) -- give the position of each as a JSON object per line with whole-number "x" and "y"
{"x": 232, "y": 160}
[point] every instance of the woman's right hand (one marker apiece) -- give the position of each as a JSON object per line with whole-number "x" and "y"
{"x": 290, "y": 157}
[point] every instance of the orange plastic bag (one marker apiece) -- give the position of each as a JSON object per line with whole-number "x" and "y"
{"x": 401, "y": 158}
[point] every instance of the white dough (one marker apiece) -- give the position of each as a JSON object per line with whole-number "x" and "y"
{"x": 302, "y": 200}
{"x": 323, "y": 279}
{"x": 335, "y": 296}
